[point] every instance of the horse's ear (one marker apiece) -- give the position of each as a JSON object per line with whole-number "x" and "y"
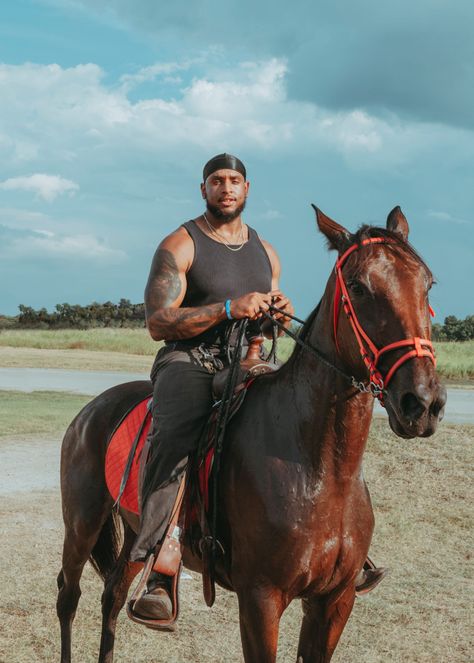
{"x": 337, "y": 236}
{"x": 397, "y": 223}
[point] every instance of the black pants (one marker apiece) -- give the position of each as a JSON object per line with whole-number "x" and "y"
{"x": 182, "y": 403}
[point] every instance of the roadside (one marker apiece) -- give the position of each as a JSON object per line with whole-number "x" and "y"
{"x": 132, "y": 350}
{"x": 79, "y": 360}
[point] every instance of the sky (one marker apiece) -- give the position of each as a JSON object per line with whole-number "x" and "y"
{"x": 110, "y": 109}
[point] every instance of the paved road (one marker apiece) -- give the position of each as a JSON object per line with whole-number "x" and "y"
{"x": 57, "y": 379}
{"x": 459, "y": 410}
{"x": 34, "y": 464}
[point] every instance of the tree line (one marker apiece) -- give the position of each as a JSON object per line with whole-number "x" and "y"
{"x": 454, "y": 329}
{"x": 126, "y": 314}
{"x": 74, "y": 316}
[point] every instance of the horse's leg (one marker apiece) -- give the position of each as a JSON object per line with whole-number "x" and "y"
{"x": 323, "y": 623}
{"x": 115, "y": 594}
{"x": 260, "y": 609}
{"x": 76, "y": 551}
{"x": 88, "y": 523}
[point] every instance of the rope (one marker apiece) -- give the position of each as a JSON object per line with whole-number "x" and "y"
{"x": 371, "y": 388}
{"x": 303, "y": 344}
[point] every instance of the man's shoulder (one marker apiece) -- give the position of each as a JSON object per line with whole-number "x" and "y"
{"x": 179, "y": 238}
{"x": 269, "y": 249}
{"x": 180, "y": 244}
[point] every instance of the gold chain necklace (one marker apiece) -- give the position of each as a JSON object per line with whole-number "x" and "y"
{"x": 222, "y": 240}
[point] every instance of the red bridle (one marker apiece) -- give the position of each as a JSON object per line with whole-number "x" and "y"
{"x": 422, "y": 347}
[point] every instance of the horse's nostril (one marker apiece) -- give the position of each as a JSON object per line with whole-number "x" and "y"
{"x": 439, "y": 403}
{"x": 411, "y": 406}
{"x": 436, "y": 408}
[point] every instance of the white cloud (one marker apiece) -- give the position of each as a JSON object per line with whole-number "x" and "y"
{"x": 270, "y": 215}
{"x": 41, "y": 243}
{"x": 47, "y": 187}
{"x": 57, "y": 115}
{"x": 447, "y": 217}
{"x": 150, "y": 73}
{"x": 78, "y": 246}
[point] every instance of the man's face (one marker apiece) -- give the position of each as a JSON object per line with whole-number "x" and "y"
{"x": 225, "y": 192}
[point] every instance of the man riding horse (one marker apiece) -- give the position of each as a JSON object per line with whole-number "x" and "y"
{"x": 209, "y": 272}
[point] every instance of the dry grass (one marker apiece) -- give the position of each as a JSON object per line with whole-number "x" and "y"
{"x": 75, "y": 360}
{"x": 129, "y": 349}
{"x": 420, "y": 614}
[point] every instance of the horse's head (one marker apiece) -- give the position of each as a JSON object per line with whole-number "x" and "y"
{"x": 381, "y": 320}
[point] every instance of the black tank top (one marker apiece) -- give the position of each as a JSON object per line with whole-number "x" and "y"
{"x": 218, "y": 274}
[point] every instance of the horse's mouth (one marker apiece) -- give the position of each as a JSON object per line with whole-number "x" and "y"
{"x": 423, "y": 426}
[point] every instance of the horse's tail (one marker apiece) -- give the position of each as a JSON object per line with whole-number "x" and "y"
{"x": 106, "y": 550}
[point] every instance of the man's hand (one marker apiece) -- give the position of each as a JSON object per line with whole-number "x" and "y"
{"x": 250, "y": 305}
{"x": 282, "y": 302}
{"x": 253, "y": 304}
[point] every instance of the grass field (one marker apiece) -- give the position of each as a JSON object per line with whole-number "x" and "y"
{"x": 126, "y": 341}
{"x": 422, "y": 497}
{"x": 41, "y": 413}
{"x": 132, "y": 349}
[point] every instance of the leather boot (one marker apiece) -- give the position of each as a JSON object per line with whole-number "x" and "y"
{"x": 156, "y": 602}
{"x": 369, "y": 577}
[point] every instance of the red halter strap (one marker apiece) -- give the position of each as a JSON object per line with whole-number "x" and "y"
{"x": 421, "y": 347}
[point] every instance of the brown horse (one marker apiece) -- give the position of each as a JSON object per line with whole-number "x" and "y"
{"x": 295, "y": 519}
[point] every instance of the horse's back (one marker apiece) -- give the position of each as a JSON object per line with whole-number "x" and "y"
{"x": 98, "y": 419}
{"x": 85, "y": 442}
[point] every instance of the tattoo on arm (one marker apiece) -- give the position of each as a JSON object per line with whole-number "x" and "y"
{"x": 178, "y": 323}
{"x": 164, "y": 285}
{"x": 163, "y": 289}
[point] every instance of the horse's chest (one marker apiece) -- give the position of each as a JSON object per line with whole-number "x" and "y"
{"x": 318, "y": 536}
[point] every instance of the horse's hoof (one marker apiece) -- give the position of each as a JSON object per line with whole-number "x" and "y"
{"x": 368, "y": 579}
{"x": 155, "y": 604}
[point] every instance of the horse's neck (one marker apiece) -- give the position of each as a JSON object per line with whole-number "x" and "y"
{"x": 332, "y": 420}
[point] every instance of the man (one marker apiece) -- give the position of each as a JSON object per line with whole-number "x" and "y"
{"x": 211, "y": 271}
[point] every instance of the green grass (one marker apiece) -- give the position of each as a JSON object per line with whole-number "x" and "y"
{"x": 455, "y": 360}
{"x": 41, "y": 413}
{"x": 127, "y": 341}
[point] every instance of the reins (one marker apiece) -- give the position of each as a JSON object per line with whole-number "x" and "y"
{"x": 307, "y": 346}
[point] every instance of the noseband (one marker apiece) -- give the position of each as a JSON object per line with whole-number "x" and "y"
{"x": 420, "y": 347}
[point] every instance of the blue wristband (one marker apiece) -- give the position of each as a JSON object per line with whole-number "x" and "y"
{"x": 227, "y": 309}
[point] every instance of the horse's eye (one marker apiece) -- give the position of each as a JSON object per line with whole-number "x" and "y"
{"x": 356, "y": 288}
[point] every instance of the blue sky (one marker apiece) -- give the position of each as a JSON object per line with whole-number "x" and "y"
{"x": 109, "y": 110}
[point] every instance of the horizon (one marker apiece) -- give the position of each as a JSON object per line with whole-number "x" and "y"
{"x": 109, "y": 114}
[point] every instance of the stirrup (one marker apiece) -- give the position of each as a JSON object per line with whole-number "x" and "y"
{"x": 156, "y": 624}
{"x": 372, "y": 576}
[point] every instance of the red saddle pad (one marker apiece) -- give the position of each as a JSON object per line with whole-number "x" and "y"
{"x": 117, "y": 456}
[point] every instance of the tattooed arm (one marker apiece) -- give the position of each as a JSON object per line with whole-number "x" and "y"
{"x": 165, "y": 291}
{"x": 166, "y": 288}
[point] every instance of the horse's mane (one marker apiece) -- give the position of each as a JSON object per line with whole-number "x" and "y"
{"x": 397, "y": 244}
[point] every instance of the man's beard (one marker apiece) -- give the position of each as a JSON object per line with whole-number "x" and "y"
{"x": 225, "y": 217}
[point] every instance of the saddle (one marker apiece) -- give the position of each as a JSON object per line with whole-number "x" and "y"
{"x": 250, "y": 367}
{"x": 126, "y": 457}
